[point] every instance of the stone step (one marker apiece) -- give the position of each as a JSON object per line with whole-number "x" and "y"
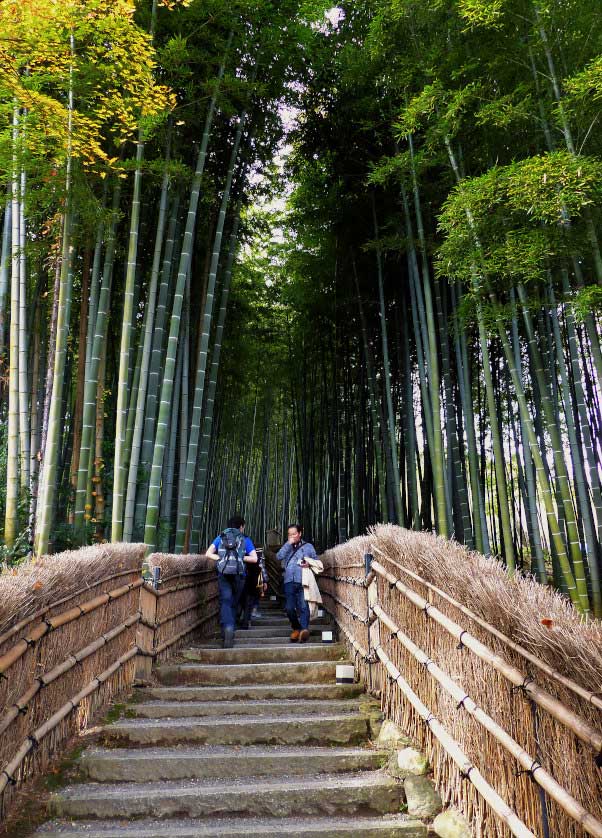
{"x": 259, "y": 630}
{"x": 115, "y": 765}
{"x": 394, "y": 826}
{"x": 309, "y": 672}
{"x": 252, "y": 692}
{"x": 322, "y": 794}
{"x": 294, "y": 652}
{"x": 288, "y": 707}
{"x": 245, "y": 639}
{"x": 331, "y": 729}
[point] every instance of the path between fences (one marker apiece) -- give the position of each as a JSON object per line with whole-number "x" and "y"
{"x": 259, "y": 740}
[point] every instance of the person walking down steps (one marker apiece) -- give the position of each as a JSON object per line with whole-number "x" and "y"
{"x": 294, "y": 557}
{"x": 232, "y": 551}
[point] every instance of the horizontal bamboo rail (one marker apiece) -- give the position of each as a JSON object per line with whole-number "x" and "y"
{"x": 39, "y": 615}
{"x": 587, "y": 695}
{"x": 582, "y": 729}
{"x": 51, "y": 638}
{"x": 464, "y": 702}
{"x": 7, "y": 775}
{"x": 453, "y": 750}
{"x": 46, "y": 626}
{"x": 193, "y": 627}
{"x": 41, "y": 681}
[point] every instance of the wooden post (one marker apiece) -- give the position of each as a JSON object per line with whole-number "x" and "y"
{"x": 373, "y": 623}
{"x": 145, "y": 637}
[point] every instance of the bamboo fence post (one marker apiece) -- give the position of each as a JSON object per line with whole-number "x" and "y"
{"x": 145, "y": 637}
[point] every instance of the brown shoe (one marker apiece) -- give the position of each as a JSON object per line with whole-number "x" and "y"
{"x": 294, "y": 636}
{"x": 304, "y": 636}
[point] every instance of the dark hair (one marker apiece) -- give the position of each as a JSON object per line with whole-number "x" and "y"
{"x": 236, "y": 522}
{"x": 297, "y": 527}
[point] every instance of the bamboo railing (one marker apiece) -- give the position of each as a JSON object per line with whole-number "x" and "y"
{"x": 492, "y": 716}
{"x": 51, "y": 681}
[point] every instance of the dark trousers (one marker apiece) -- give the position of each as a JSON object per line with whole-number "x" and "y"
{"x": 297, "y": 608}
{"x": 248, "y": 601}
{"x": 230, "y": 591}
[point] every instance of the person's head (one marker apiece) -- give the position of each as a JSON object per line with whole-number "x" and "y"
{"x": 236, "y": 522}
{"x": 295, "y": 533}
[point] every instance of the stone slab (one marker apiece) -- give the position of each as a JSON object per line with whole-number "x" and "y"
{"x": 252, "y": 692}
{"x": 269, "y": 708}
{"x": 363, "y": 793}
{"x": 265, "y": 653}
{"x": 307, "y": 672}
{"x": 358, "y": 827}
{"x": 344, "y": 729}
{"x": 185, "y": 763}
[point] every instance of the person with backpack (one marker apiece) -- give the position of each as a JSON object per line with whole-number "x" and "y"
{"x": 293, "y": 557}
{"x": 232, "y": 551}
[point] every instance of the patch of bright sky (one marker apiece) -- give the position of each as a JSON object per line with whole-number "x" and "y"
{"x": 289, "y": 116}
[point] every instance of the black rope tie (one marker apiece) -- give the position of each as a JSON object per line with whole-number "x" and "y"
{"x": 34, "y": 742}
{"x": 430, "y": 718}
{"x": 460, "y": 641}
{"x": 426, "y": 608}
{"x": 392, "y": 585}
{"x": 9, "y": 777}
{"x": 81, "y": 611}
{"x": 529, "y": 772}
{"x": 31, "y": 643}
{"x": 528, "y": 679}
{"x": 47, "y": 622}
{"x": 461, "y": 702}
{"x": 465, "y": 774}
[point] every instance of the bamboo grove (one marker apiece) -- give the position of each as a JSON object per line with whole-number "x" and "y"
{"x": 130, "y": 135}
{"x": 410, "y": 333}
{"x": 434, "y": 288}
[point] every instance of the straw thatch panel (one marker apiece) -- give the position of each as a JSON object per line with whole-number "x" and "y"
{"x": 186, "y": 602}
{"x": 530, "y": 615}
{"x": 66, "y": 619}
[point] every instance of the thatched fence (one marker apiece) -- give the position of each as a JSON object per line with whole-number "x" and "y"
{"x": 76, "y": 629}
{"x": 497, "y": 678}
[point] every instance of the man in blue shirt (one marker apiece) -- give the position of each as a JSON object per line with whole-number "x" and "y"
{"x": 292, "y": 556}
{"x": 231, "y": 551}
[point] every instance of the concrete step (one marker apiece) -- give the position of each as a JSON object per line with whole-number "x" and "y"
{"x": 309, "y": 672}
{"x": 331, "y": 729}
{"x": 245, "y": 639}
{"x": 259, "y": 630}
{"x": 322, "y": 794}
{"x": 251, "y": 692}
{"x": 114, "y": 765}
{"x": 294, "y": 652}
{"x": 280, "y": 707}
{"x": 394, "y": 826}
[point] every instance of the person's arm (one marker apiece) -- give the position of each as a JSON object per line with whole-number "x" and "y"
{"x": 251, "y": 558}
{"x": 284, "y": 553}
{"x": 212, "y": 552}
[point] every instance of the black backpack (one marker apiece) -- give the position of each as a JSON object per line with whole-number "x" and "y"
{"x": 231, "y": 553}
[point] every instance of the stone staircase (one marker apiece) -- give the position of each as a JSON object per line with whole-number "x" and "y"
{"x": 252, "y": 741}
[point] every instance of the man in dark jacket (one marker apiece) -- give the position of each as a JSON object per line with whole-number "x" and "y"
{"x": 292, "y": 556}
